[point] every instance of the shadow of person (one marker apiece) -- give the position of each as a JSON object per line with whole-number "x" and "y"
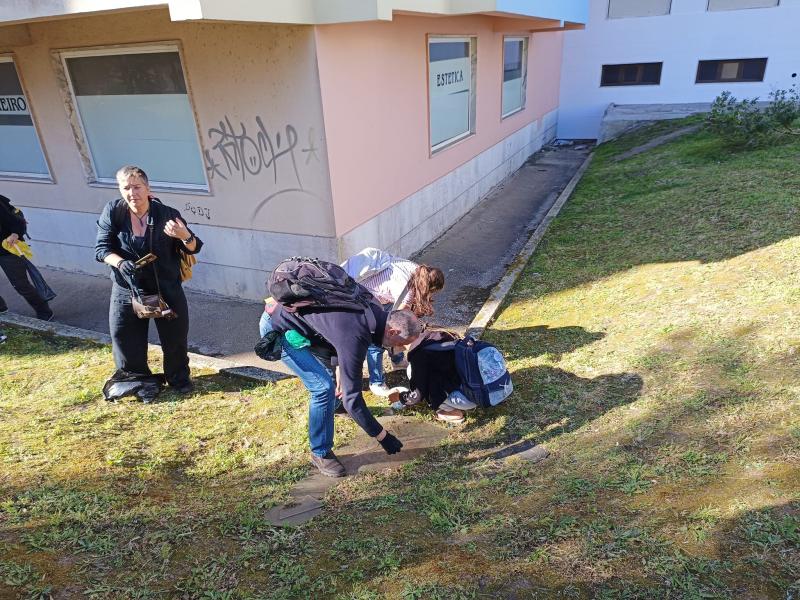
{"x": 541, "y": 340}
{"x": 548, "y": 401}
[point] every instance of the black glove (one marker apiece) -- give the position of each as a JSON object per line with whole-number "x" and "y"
{"x": 127, "y": 269}
{"x": 391, "y": 444}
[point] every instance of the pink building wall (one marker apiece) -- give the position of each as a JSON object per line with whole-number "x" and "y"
{"x": 374, "y": 83}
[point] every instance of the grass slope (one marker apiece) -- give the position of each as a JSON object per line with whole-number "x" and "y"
{"x": 653, "y": 340}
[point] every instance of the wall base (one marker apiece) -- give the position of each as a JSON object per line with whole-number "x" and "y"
{"x": 233, "y": 262}
{"x": 420, "y": 218}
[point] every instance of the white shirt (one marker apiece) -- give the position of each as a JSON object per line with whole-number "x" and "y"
{"x": 388, "y": 284}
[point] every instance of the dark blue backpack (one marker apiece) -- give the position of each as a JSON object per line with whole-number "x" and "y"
{"x": 485, "y": 379}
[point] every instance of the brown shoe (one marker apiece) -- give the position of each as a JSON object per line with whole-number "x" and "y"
{"x": 450, "y": 415}
{"x": 329, "y": 465}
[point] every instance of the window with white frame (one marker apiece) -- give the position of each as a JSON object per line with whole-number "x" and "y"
{"x": 740, "y": 4}
{"x": 515, "y": 60}
{"x": 620, "y": 9}
{"x": 20, "y": 150}
{"x": 451, "y": 87}
{"x": 134, "y": 109}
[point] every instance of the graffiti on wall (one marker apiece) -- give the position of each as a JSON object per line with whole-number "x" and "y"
{"x": 258, "y": 151}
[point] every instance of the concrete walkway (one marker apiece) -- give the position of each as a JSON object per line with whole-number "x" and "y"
{"x": 474, "y": 255}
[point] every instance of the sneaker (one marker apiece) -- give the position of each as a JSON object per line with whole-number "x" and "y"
{"x": 3, "y": 309}
{"x": 458, "y": 401}
{"x": 48, "y": 316}
{"x": 380, "y": 389}
{"x": 3, "y": 337}
{"x": 450, "y": 415}
{"x": 329, "y": 465}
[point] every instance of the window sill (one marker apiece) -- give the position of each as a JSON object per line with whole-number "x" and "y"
{"x": 450, "y": 143}
{"x": 157, "y": 187}
{"x": 512, "y": 113}
{"x": 26, "y": 178}
{"x": 602, "y": 85}
{"x": 727, "y": 81}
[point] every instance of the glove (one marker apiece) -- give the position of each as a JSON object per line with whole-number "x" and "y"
{"x": 410, "y": 398}
{"x": 19, "y": 248}
{"x": 391, "y": 444}
{"x": 127, "y": 269}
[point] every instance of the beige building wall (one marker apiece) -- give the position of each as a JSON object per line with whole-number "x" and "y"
{"x": 255, "y": 94}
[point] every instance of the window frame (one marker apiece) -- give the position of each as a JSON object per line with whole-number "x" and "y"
{"x": 708, "y": 7}
{"x": 18, "y": 176}
{"x": 640, "y": 72}
{"x": 524, "y": 92}
{"x": 472, "y": 39}
{"x": 609, "y": 17}
{"x": 738, "y": 79}
{"x": 83, "y": 139}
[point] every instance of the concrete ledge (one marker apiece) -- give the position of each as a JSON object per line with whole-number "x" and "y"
{"x": 499, "y": 292}
{"x": 196, "y": 361}
{"x": 621, "y": 118}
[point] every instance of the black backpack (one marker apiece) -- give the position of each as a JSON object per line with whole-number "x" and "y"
{"x": 15, "y": 214}
{"x": 299, "y": 283}
{"x": 485, "y": 379}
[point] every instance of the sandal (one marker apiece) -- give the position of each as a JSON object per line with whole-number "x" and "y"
{"x": 450, "y": 415}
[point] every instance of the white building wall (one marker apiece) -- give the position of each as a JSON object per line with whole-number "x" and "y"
{"x": 688, "y": 34}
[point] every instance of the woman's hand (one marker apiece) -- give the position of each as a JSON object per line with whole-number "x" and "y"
{"x": 12, "y": 239}
{"x": 176, "y": 228}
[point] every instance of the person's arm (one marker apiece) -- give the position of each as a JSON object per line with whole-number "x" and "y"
{"x": 176, "y": 228}
{"x": 13, "y": 228}
{"x": 107, "y": 244}
{"x": 351, "y": 359}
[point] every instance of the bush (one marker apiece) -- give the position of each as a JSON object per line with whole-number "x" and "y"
{"x": 744, "y": 123}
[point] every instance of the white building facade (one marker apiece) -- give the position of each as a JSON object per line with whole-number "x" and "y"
{"x": 674, "y": 53}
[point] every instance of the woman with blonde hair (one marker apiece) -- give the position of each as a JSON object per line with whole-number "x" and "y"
{"x": 142, "y": 241}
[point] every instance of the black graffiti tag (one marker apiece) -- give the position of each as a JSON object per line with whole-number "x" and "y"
{"x": 235, "y": 150}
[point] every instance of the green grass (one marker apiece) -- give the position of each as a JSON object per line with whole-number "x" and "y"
{"x": 654, "y": 341}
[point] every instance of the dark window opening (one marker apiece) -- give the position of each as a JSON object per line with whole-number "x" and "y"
{"x": 737, "y": 69}
{"x": 632, "y": 74}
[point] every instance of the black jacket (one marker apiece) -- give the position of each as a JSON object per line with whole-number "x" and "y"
{"x": 346, "y": 335}
{"x": 433, "y": 372}
{"x": 115, "y": 236}
{"x": 9, "y": 223}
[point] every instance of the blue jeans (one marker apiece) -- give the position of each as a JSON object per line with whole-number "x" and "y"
{"x": 321, "y": 384}
{"x": 375, "y": 364}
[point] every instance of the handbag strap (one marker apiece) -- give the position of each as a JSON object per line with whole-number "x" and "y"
{"x": 150, "y": 225}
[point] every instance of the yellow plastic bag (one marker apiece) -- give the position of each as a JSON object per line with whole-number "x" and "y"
{"x": 19, "y": 248}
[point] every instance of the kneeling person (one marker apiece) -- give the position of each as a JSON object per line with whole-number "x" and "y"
{"x": 343, "y": 336}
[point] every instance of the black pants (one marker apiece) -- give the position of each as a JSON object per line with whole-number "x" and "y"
{"x": 129, "y": 335}
{"x": 17, "y": 273}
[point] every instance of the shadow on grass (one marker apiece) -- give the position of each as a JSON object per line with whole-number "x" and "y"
{"x": 23, "y": 342}
{"x": 541, "y": 340}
